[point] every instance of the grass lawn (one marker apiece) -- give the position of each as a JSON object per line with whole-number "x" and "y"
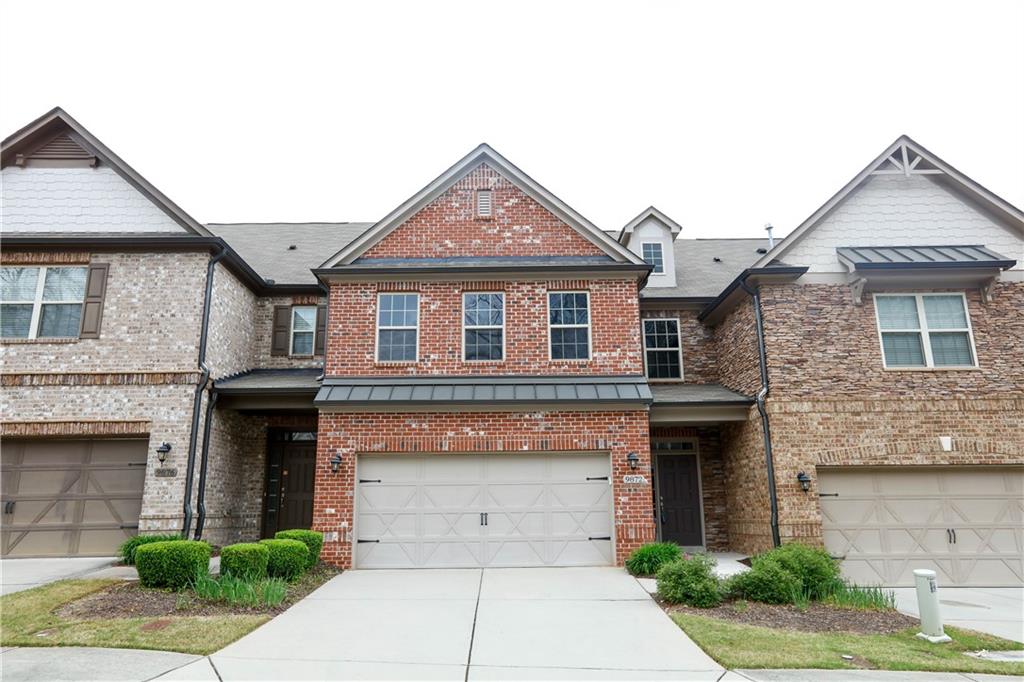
{"x": 27, "y": 619}
{"x": 736, "y": 645}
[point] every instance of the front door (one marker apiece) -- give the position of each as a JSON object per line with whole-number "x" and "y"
{"x": 679, "y": 500}
{"x": 291, "y": 463}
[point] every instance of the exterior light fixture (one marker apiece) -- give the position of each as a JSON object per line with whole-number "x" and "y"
{"x": 335, "y": 462}
{"x": 633, "y": 460}
{"x": 805, "y": 481}
{"x": 161, "y": 452}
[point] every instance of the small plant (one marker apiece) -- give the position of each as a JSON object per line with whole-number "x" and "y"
{"x": 857, "y": 597}
{"x": 817, "y": 571}
{"x": 288, "y": 558}
{"x": 646, "y": 560}
{"x": 128, "y": 547}
{"x": 741, "y": 606}
{"x": 174, "y": 564}
{"x": 767, "y": 581}
{"x": 245, "y": 560}
{"x": 690, "y": 581}
{"x": 238, "y": 592}
{"x": 313, "y": 540}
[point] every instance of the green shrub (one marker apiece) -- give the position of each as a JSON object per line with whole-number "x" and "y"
{"x": 235, "y": 591}
{"x": 128, "y": 547}
{"x": 690, "y": 581}
{"x": 857, "y": 597}
{"x": 313, "y": 540}
{"x": 246, "y": 560}
{"x": 817, "y": 571}
{"x": 767, "y": 581}
{"x": 174, "y": 563}
{"x": 646, "y": 560}
{"x": 288, "y": 558}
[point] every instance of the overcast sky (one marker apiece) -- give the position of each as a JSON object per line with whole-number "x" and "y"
{"x": 724, "y": 115}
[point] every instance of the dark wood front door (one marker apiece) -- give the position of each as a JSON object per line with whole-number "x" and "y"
{"x": 679, "y": 500}
{"x": 289, "y": 496}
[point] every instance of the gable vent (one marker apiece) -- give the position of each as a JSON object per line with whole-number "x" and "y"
{"x": 484, "y": 207}
{"x": 60, "y": 151}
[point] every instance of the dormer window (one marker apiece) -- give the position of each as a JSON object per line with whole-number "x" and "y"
{"x": 484, "y": 207}
{"x": 653, "y": 255}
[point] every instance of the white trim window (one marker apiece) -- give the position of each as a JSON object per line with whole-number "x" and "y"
{"x": 924, "y": 330}
{"x": 41, "y": 302}
{"x": 303, "y": 330}
{"x": 398, "y": 327}
{"x": 653, "y": 254}
{"x": 663, "y": 353}
{"x": 483, "y": 326}
{"x": 569, "y": 325}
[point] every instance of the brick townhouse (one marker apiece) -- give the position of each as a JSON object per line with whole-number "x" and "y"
{"x": 483, "y": 377}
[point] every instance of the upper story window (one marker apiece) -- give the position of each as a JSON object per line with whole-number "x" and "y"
{"x": 925, "y": 330}
{"x": 569, "y": 325}
{"x": 41, "y": 302}
{"x": 483, "y": 326}
{"x": 484, "y": 203}
{"x": 654, "y": 255}
{"x": 303, "y": 330}
{"x": 397, "y": 327}
{"x": 662, "y": 352}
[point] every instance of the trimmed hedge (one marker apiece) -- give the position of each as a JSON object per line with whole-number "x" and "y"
{"x": 128, "y": 547}
{"x": 174, "y": 563}
{"x": 690, "y": 581}
{"x": 245, "y": 560}
{"x": 767, "y": 581}
{"x": 313, "y": 540}
{"x": 647, "y": 559}
{"x": 288, "y": 558}
{"x": 816, "y": 570}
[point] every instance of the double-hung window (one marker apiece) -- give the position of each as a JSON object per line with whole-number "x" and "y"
{"x": 397, "y": 327}
{"x": 925, "y": 330}
{"x": 662, "y": 351}
{"x": 41, "y": 302}
{"x": 303, "y": 330}
{"x": 483, "y": 326}
{"x": 654, "y": 255}
{"x": 569, "y": 325}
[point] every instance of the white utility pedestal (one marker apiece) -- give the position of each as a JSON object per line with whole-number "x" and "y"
{"x": 928, "y": 607}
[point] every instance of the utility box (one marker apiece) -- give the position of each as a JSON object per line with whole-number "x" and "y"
{"x": 928, "y": 607}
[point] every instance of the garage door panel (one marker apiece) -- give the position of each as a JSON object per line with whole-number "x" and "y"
{"x": 515, "y": 553}
{"x": 506, "y": 523}
{"x": 444, "y": 496}
{"x": 453, "y": 524}
{"x": 115, "y": 481}
{"x": 963, "y": 523}
{"x": 581, "y": 552}
{"x": 47, "y": 482}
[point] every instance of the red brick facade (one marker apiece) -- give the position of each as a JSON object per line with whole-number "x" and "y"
{"x": 501, "y": 433}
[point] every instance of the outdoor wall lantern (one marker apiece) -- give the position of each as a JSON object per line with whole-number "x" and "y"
{"x": 335, "y": 462}
{"x": 633, "y": 460}
{"x": 161, "y": 452}
{"x": 805, "y": 481}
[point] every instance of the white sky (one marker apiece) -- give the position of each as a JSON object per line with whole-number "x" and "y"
{"x": 725, "y": 115}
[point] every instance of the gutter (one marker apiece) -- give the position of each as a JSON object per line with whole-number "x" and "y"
{"x": 769, "y": 462}
{"x": 203, "y": 463}
{"x": 200, "y": 387}
{"x": 741, "y": 280}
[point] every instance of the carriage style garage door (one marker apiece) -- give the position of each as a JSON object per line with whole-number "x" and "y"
{"x": 963, "y": 523}
{"x": 70, "y": 497}
{"x": 447, "y": 511}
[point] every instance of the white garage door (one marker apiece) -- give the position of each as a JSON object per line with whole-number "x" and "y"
{"x": 965, "y": 524}
{"x": 443, "y": 511}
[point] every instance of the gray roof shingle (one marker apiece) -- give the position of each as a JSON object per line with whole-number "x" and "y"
{"x": 688, "y": 394}
{"x": 303, "y": 380}
{"x": 697, "y": 271}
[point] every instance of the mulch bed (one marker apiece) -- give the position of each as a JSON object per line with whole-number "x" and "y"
{"x": 131, "y": 600}
{"x": 816, "y": 617}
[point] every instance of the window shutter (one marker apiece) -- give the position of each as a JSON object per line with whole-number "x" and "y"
{"x": 320, "y": 342}
{"x": 279, "y": 341}
{"x": 92, "y": 306}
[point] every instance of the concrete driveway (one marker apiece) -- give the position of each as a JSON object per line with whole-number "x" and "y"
{"x": 491, "y": 624}
{"x": 22, "y": 574}
{"x": 996, "y": 610}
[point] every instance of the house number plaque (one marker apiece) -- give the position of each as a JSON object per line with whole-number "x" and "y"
{"x": 634, "y": 479}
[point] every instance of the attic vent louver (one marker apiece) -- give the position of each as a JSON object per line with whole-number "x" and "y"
{"x": 484, "y": 207}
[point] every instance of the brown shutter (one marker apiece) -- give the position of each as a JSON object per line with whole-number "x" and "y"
{"x": 279, "y": 343}
{"x": 92, "y": 307}
{"x": 320, "y": 340}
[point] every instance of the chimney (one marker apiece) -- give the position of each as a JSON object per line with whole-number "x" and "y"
{"x": 771, "y": 240}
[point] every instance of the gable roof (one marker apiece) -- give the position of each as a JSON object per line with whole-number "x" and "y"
{"x": 904, "y": 156}
{"x": 649, "y": 212}
{"x": 482, "y": 154}
{"x": 57, "y": 121}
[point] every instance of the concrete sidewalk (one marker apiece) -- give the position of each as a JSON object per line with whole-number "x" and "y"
{"x": 23, "y": 574}
{"x": 997, "y": 611}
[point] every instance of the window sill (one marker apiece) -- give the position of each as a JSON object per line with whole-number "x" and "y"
{"x": 932, "y": 369}
{"x": 676, "y": 380}
{"x": 394, "y": 363}
{"x": 67, "y": 339}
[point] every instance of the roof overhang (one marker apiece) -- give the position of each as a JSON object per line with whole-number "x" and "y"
{"x": 714, "y": 311}
{"x": 704, "y": 413}
{"x": 674, "y": 302}
{"x": 373, "y": 273}
{"x": 482, "y": 154}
